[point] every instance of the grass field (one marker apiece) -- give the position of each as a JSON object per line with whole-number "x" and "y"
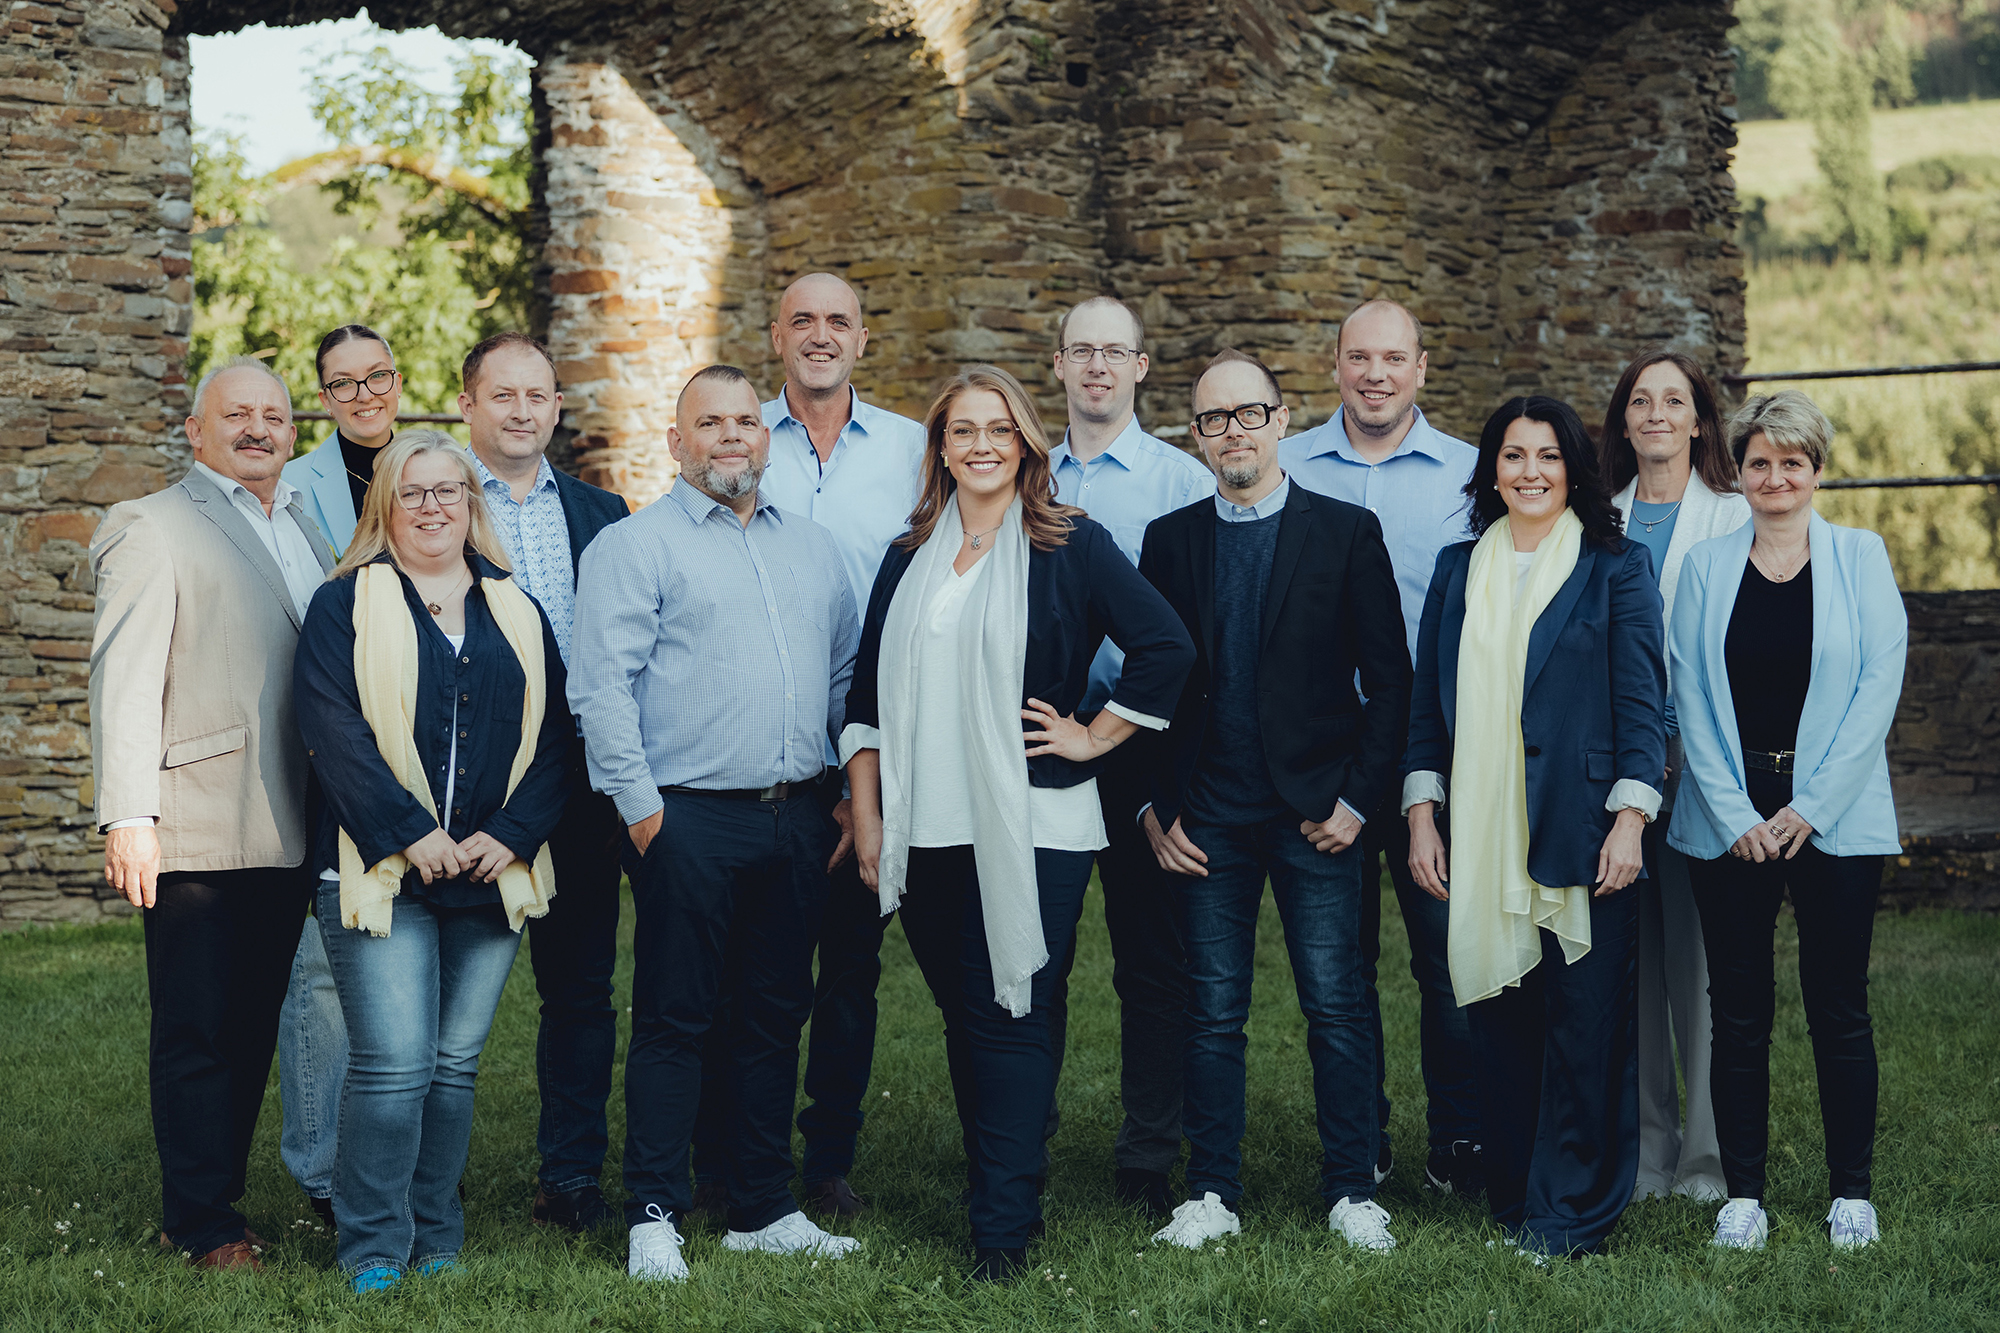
{"x": 79, "y": 1188}
{"x": 1774, "y": 158}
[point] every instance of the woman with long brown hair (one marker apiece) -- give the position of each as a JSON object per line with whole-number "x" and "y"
{"x": 1664, "y": 455}
{"x": 974, "y": 783}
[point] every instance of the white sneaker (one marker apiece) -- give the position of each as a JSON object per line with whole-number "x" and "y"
{"x": 1199, "y": 1221}
{"x": 1853, "y": 1224}
{"x": 794, "y": 1233}
{"x": 1362, "y": 1224}
{"x": 656, "y": 1250}
{"x": 1742, "y": 1225}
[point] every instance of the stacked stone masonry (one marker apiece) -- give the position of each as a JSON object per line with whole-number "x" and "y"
{"x": 1545, "y": 183}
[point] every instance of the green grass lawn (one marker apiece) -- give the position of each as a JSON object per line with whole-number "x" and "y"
{"x": 79, "y": 1190}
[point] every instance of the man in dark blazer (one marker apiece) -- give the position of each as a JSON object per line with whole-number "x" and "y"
{"x": 545, "y": 519}
{"x": 1270, "y": 761}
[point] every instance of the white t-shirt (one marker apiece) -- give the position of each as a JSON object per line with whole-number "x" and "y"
{"x": 1062, "y": 819}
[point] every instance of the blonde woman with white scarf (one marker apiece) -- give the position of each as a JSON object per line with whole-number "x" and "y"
{"x": 1668, "y": 465}
{"x": 430, "y": 693}
{"x": 974, "y": 783}
{"x": 1538, "y": 701}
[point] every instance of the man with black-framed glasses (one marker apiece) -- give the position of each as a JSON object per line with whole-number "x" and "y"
{"x": 1125, "y": 478}
{"x": 1270, "y": 765}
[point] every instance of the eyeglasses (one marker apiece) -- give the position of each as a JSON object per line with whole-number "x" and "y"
{"x": 1250, "y": 416}
{"x": 448, "y": 493}
{"x": 963, "y": 434}
{"x": 345, "y": 390}
{"x": 1080, "y": 354}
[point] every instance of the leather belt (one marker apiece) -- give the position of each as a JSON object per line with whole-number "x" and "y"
{"x": 1770, "y": 761}
{"x": 782, "y": 791}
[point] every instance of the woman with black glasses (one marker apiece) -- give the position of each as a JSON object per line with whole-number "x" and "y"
{"x": 361, "y": 389}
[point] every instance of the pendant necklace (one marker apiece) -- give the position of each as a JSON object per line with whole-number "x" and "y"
{"x": 979, "y": 537}
{"x": 1650, "y": 524}
{"x": 437, "y": 608}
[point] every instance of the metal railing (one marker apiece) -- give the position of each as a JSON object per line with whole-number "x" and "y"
{"x": 1880, "y": 372}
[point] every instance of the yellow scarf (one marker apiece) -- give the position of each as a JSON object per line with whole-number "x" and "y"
{"x": 385, "y": 676}
{"x": 1497, "y": 911}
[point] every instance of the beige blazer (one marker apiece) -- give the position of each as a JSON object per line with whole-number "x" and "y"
{"x": 191, "y": 715}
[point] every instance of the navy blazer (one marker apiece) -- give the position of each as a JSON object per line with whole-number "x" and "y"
{"x": 587, "y": 510}
{"x": 1593, "y": 710}
{"x": 1078, "y": 593}
{"x": 485, "y": 681}
{"x": 1331, "y": 612}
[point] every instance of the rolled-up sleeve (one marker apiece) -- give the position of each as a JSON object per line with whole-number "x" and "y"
{"x": 616, "y": 629}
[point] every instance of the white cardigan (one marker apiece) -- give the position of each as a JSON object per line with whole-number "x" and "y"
{"x": 1703, "y": 514}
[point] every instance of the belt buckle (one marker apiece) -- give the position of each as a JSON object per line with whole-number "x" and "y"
{"x": 1783, "y": 759}
{"x": 775, "y": 792}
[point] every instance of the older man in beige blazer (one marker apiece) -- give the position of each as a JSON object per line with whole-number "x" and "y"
{"x": 202, "y": 781}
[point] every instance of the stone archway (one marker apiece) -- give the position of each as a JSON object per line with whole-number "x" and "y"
{"x": 1546, "y": 183}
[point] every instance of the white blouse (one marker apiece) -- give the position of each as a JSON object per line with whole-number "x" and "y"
{"x": 1062, "y": 819}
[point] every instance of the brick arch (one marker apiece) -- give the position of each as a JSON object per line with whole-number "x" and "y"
{"x": 1546, "y": 182}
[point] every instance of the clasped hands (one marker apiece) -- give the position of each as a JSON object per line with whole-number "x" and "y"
{"x": 437, "y": 856}
{"x": 1783, "y": 834}
{"x": 1619, "y": 860}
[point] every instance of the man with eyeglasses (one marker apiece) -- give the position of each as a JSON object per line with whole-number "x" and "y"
{"x": 1125, "y": 478}
{"x": 1379, "y": 451}
{"x": 1271, "y": 762}
{"x": 851, "y": 467}
{"x": 714, "y": 642}
{"x": 547, "y": 519}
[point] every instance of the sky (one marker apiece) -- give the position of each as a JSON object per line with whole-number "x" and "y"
{"x": 257, "y": 82}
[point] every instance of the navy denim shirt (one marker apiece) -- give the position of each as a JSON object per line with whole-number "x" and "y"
{"x": 485, "y": 681}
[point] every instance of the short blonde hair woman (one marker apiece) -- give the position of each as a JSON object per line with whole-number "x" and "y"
{"x": 430, "y": 692}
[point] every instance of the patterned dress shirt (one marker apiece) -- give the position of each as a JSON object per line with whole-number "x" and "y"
{"x": 536, "y": 536}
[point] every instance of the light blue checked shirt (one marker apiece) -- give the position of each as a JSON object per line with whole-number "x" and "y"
{"x": 1418, "y": 493}
{"x": 536, "y": 536}
{"x": 709, "y": 654}
{"x": 864, "y": 493}
{"x": 1135, "y": 480}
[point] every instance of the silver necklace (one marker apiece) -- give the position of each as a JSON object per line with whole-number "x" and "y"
{"x": 1650, "y": 524}
{"x": 979, "y": 537}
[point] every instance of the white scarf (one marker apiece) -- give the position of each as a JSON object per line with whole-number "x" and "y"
{"x": 1497, "y": 910}
{"x": 992, "y": 656}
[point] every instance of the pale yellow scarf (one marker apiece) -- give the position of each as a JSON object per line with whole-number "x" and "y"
{"x": 385, "y": 675}
{"x": 1497, "y": 911}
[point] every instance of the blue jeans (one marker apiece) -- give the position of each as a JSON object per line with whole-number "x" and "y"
{"x": 1319, "y": 900}
{"x": 419, "y": 1003}
{"x": 1451, "y": 1092}
{"x": 312, "y": 1061}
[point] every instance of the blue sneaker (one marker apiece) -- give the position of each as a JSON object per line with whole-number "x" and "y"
{"x": 379, "y": 1278}
{"x": 444, "y": 1263}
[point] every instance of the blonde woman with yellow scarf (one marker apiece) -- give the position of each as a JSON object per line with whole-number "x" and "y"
{"x": 430, "y": 693}
{"x": 1537, "y": 750}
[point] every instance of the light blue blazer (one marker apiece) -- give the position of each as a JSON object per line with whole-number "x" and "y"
{"x": 320, "y": 477}
{"x": 1840, "y": 782}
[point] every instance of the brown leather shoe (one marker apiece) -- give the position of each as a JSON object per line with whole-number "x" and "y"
{"x": 236, "y": 1254}
{"x": 834, "y": 1197}
{"x": 251, "y": 1238}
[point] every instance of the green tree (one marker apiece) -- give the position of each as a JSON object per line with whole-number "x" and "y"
{"x": 1815, "y": 76}
{"x": 452, "y": 169}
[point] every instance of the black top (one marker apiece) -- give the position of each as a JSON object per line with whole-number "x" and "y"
{"x": 1769, "y": 654}
{"x": 1232, "y": 778}
{"x": 1079, "y": 593}
{"x": 482, "y": 686}
{"x": 1330, "y": 610}
{"x": 360, "y": 461}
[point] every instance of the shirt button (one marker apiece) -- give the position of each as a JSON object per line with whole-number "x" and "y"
{"x": 465, "y": 698}
{"x": 461, "y": 735}
{"x": 461, "y": 772}
{"x": 465, "y": 660}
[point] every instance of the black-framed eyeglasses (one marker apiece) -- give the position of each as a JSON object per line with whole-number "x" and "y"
{"x": 1250, "y": 416}
{"x": 448, "y": 493}
{"x": 346, "y": 390}
{"x": 1080, "y": 353}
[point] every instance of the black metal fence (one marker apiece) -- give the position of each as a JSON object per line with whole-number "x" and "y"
{"x": 1879, "y": 372}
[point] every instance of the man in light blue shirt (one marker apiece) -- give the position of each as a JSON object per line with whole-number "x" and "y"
{"x": 1380, "y": 452}
{"x": 714, "y": 641}
{"x": 853, "y": 468}
{"x": 1125, "y": 478}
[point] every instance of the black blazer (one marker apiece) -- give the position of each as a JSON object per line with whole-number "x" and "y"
{"x": 1593, "y": 710}
{"x": 1331, "y": 611}
{"x": 588, "y": 510}
{"x": 1078, "y": 593}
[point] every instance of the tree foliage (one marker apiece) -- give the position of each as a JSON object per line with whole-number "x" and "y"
{"x": 452, "y": 171}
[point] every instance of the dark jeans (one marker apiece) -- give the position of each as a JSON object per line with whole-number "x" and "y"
{"x": 219, "y": 946}
{"x": 1319, "y": 900}
{"x": 1451, "y": 1093}
{"x": 1558, "y": 1070}
{"x": 1148, "y": 971}
{"x": 727, "y": 900}
{"x": 1833, "y": 898}
{"x": 1003, "y": 1069}
{"x": 574, "y": 949}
